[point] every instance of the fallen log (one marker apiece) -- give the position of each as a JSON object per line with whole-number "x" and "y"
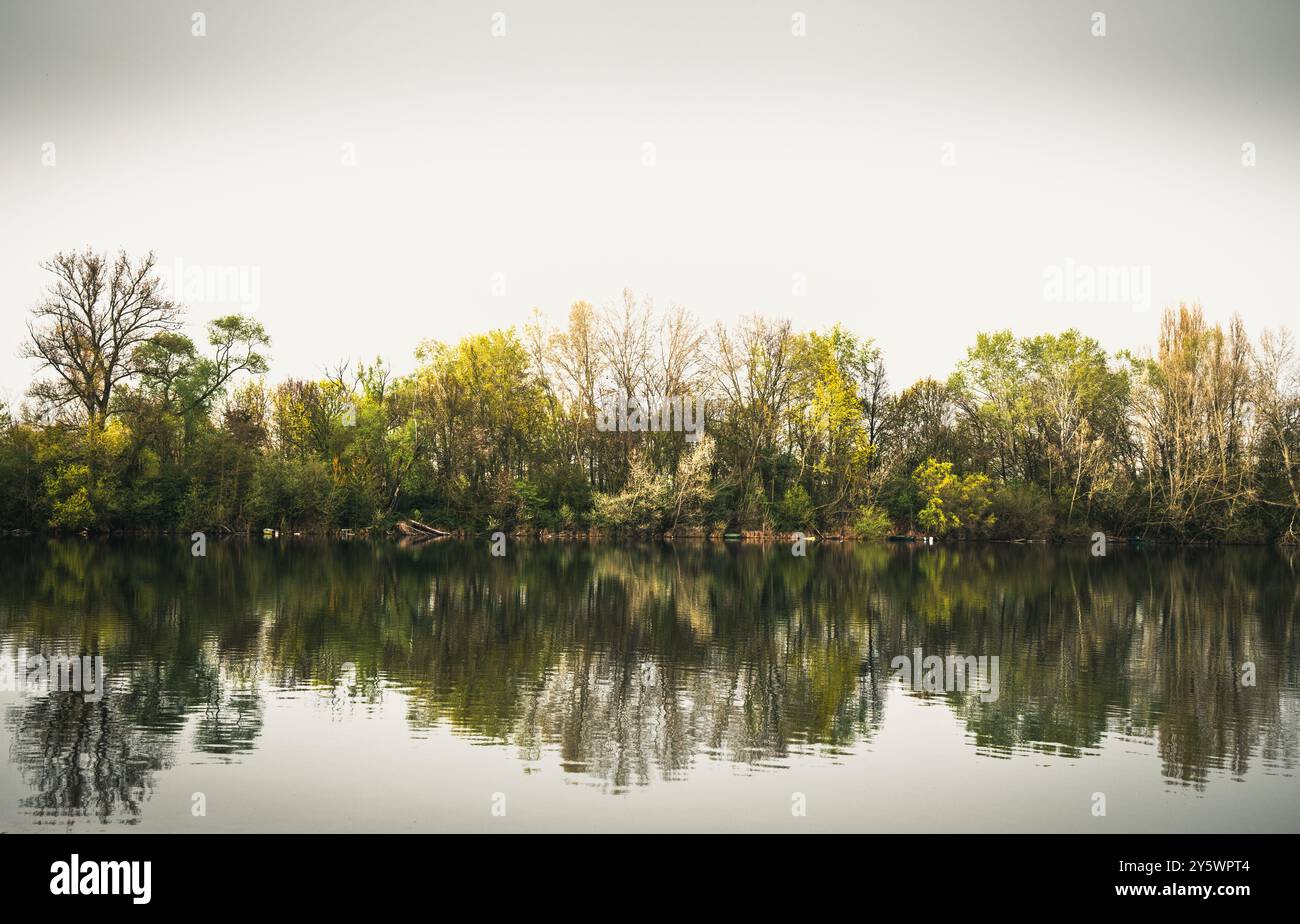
{"x": 409, "y": 527}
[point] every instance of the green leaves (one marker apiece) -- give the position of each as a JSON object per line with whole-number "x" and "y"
{"x": 952, "y": 503}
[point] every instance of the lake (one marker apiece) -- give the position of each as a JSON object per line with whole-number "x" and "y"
{"x": 301, "y": 685}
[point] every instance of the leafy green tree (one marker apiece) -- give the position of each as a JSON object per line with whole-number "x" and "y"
{"x": 952, "y": 503}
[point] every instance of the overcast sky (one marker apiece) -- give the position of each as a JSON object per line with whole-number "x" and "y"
{"x": 924, "y": 164}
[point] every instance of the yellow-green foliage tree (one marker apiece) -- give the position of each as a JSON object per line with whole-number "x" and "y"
{"x": 953, "y": 503}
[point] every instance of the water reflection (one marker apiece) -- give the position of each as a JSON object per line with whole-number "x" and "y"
{"x": 633, "y": 663}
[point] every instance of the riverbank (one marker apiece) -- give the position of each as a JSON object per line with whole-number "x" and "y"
{"x": 405, "y": 533}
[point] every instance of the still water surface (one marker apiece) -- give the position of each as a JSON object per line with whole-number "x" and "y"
{"x": 318, "y": 686}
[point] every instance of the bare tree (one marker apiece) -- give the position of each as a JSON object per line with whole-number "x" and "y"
{"x": 571, "y": 363}
{"x": 625, "y": 343}
{"x": 89, "y": 325}
{"x": 1190, "y": 416}
{"x": 678, "y": 371}
{"x": 753, "y": 368}
{"x": 1277, "y": 405}
{"x": 681, "y": 353}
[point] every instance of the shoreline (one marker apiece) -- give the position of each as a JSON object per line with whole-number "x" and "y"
{"x": 610, "y": 537}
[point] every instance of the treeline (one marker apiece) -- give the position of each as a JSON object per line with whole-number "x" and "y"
{"x": 134, "y": 426}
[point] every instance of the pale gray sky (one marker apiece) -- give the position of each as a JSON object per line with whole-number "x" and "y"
{"x": 774, "y": 155}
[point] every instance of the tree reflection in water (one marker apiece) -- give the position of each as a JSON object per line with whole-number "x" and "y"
{"x": 633, "y": 662}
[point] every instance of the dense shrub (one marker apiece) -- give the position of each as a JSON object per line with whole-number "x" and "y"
{"x": 872, "y": 523}
{"x": 796, "y": 509}
{"x": 1020, "y": 512}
